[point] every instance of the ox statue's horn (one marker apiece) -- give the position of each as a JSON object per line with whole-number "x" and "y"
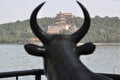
{"x": 78, "y": 35}
{"x": 44, "y": 37}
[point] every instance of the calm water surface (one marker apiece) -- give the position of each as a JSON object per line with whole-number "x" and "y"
{"x": 106, "y": 59}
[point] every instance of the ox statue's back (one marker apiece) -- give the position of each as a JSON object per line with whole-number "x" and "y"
{"x": 60, "y": 52}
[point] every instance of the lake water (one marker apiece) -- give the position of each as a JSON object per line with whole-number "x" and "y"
{"x": 106, "y": 59}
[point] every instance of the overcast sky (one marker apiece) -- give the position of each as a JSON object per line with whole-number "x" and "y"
{"x": 13, "y": 10}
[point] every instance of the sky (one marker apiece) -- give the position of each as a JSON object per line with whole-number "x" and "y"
{"x": 13, "y": 10}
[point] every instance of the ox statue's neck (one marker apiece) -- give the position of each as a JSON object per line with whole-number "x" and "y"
{"x": 63, "y": 62}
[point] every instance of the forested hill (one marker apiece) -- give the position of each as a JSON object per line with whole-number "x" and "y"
{"x": 102, "y": 30}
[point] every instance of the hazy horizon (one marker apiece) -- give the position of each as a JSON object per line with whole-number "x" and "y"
{"x": 21, "y": 10}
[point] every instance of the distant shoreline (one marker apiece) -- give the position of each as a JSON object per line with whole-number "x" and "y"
{"x": 104, "y": 44}
{"x": 107, "y": 44}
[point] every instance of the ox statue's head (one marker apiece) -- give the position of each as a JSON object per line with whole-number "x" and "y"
{"x": 60, "y": 51}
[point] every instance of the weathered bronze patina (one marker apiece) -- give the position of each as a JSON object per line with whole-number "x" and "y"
{"x": 61, "y": 53}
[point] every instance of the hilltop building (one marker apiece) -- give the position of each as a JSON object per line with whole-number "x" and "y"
{"x": 60, "y": 24}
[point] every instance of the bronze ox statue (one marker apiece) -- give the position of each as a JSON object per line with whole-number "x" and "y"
{"x": 60, "y": 52}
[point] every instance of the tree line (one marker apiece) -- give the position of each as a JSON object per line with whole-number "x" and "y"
{"x": 102, "y": 30}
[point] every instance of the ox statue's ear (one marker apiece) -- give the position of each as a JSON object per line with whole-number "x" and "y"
{"x": 35, "y": 50}
{"x": 86, "y": 49}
